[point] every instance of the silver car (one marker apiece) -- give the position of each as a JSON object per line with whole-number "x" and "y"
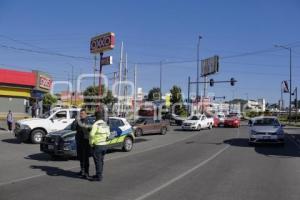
{"x": 265, "y": 130}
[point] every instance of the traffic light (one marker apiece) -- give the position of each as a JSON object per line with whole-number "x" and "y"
{"x": 211, "y": 82}
{"x": 232, "y": 81}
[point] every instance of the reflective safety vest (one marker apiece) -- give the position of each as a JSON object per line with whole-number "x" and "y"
{"x": 99, "y": 133}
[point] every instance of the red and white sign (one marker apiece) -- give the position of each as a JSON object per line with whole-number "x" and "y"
{"x": 45, "y": 82}
{"x": 107, "y": 60}
{"x": 102, "y": 43}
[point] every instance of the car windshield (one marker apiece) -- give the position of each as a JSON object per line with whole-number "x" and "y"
{"x": 46, "y": 115}
{"x": 68, "y": 127}
{"x": 194, "y": 118}
{"x": 266, "y": 122}
{"x": 140, "y": 120}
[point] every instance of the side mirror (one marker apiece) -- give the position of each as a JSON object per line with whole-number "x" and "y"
{"x": 52, "y": 120}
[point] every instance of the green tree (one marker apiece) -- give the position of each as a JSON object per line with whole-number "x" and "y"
{"x": 49, "y": 99}
{"x": 91, "y": 93}
{"x": 176, "y": 97}
{"x": 154, "y": 94}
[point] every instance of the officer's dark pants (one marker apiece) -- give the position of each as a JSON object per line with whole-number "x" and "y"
{"x": 83, "y": 153}
{"x": 98, "y": 155}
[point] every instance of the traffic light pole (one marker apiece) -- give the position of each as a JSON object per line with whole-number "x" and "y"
{"x": 232, "y": 81}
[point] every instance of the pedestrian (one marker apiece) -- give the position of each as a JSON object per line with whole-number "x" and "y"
{"x": 98, "y": 141}
{"x": 33, "y": 110}
{"x": 82, "y": 141}
{"x": 9, "y": 120}
{"x": 100, "y": 113}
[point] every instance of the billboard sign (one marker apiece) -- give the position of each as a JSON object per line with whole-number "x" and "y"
{"x": 107, "y": 60}
{"x": 210, "y": 66}
{"x": 102, "y": 43}
{"x": 45, "y": 82}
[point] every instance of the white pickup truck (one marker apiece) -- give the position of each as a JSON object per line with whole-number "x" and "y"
{"x": 34, "y": 129}
{"x": 197, "y": 122}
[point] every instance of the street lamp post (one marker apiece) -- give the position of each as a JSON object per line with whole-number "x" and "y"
{"x": 160, "y": 79}
{"x": 290, "y": 51}
{"x": 198, "y": 66}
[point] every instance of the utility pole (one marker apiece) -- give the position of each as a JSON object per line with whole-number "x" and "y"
{"x": 296, "y": 103}
{"x": 120, "y": 78}
{"x": 95, "y": 69}
{"x": 135, "y": 90}
{"x": 125, "y": 86}
{"x": 72, "y": 81}
{"x": 115, "y": 77}
{"x": 160, "y": 81}
{"x": 198, "y": 66}
{"x": 188, "y": 97}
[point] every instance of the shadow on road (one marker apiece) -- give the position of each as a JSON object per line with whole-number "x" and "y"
{"x": 45, "y": 157}
{"x": 268, "y": 149}
{"x": 12, "y": 141}
{"x": 55, "y": 171}
{"x": 138, "y": 140}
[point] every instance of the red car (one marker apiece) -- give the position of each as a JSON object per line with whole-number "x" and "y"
{"x": 233, "y": 122}
{"x": 216, "y": 122}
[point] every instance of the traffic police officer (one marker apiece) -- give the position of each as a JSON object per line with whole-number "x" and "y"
{"x": 98, "y": 140}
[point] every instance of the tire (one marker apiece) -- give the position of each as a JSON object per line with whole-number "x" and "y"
{"x": 163, "y": 131}
{"x": 127, "y": 144}
{"x": 138, "y": 132}
{"x": 37, "y": 135}
{"x": 251, "y": 144}
{"x": 199, "y": 127}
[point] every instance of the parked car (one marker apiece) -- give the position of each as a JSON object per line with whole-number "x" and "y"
{"x": 176, "y": 120}
{"x": 147, "y": 125}
{"x": 233, "y": 122}
{"x": 63, "y": 143}
{"x": 265, "y": 129}
{"x": 233, "y": 114}
{"x": 221, "y": 117}
{"x": 34, "y": 129}
{"x": 216, "y": 122}
{"x": 197, "y": 122}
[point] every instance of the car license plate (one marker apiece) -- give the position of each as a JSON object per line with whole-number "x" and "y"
{"x": 266, "y": 137}
{"x": 50, "y": 147}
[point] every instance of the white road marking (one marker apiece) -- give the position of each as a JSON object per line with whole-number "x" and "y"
{"x": 112, "y": 158}
{"x": 201, "y": 164}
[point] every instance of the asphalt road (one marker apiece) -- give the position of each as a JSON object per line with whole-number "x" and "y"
{"x": 216, "y": 164}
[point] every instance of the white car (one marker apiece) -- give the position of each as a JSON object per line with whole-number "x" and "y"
{"x": 265, "y": 130}
{"x": 197, "y": 122}
{"x": 34, "y": 129}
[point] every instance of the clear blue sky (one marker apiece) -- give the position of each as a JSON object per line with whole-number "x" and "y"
{"x": 160, "y": 30}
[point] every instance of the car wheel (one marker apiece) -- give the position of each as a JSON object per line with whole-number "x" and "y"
{"x": 199, "y": 127}
{"x": 163, "y": 131}
{"x": 37, "y": 135}
{"x": 138, "y": 132}
{"x": 127, "y": 144}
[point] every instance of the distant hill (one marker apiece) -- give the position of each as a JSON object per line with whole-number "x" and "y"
{"x": 236, "y": 101}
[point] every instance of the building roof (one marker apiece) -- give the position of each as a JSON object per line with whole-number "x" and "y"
{"x": 19, "y": 78}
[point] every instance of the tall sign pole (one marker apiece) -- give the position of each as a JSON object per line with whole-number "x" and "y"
{"x": 100, "y": 77}
{"x": 100, "y": 44}
{"x": 120, "y": 79}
